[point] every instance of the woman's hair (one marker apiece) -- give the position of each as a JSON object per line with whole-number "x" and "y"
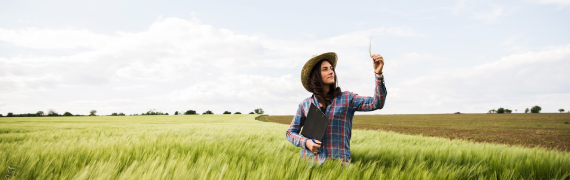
{"x": 316, "y": 85}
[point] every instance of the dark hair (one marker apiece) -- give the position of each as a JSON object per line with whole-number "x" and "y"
{"x": 315, "y": 83}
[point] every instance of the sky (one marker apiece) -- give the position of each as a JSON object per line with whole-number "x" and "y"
{"x": 134, "y": 56}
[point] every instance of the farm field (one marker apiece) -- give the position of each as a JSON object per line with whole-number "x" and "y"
{"x": 240, "y": 147}
{"x": 550, "y": 130}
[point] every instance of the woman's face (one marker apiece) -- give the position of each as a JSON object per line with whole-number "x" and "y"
{"x": 327, "y": 73}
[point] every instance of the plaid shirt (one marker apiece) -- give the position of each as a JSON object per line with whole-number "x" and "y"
{"x": 336, "y": 142}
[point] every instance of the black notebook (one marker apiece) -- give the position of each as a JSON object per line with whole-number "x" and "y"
{"x": 316, "y": 124}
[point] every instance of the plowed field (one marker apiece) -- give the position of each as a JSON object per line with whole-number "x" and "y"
{"x": 550, "y": 130}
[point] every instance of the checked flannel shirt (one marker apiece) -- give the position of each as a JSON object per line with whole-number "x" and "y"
{"x": 336, "y": 142}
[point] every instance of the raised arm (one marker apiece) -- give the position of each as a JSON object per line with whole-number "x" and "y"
{"x": 293, "y": 135}
{"x": 365, "y": 103}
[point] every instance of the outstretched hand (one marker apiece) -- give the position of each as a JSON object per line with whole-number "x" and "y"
{"x": 378, "y": 63}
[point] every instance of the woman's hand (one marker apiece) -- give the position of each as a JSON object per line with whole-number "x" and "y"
{"x": 378, "y": 63}
{"x": 312, "y": 146}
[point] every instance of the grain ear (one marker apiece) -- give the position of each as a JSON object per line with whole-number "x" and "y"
{"x": 370, "y": 46}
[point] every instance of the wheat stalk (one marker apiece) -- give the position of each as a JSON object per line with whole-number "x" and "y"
{"x": 370, "y": 46}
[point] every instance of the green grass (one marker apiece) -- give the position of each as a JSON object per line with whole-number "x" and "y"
{"x": 239, "y": 147}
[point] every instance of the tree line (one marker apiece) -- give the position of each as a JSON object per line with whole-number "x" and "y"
{"x": 52, "y": 112}
{"x": 193, "y": 112}
{"x": 534, "y": 109}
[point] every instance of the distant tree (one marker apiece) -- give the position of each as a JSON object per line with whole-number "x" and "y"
{"x": 165, "y": 113}
{"x": 535, "y": 109}
{"x": 237, "y": 113}
{"x": 0, "y": 115}
{"x": 190, "y": 112}
{"x": 258, "y": 111}
{"x": 526, "y": 110}
{"x": 251, "y": 113}
{"x": 492, "y": 111}
{"x": 93, "y": 113}
{"x": 515, "y": 110}
{"x": 500, "y": 110}
{"x": 40, "y": 113}
{"x": 176, "y": 113}
{"x": 25, "y": 115}
{"x": 10, "y": 114}
{"x": 227, "y": 112}
{"x": 121, "y": 114}
{"x": 67, "y": 114}
{"x": 561, "y": 110}
{"x": 114, "y": 114}
{"x": 508, "y": 111}
{"x": 52, "y": 112}
{"x": 208, "y": 112}
{"x": 153, "y": 112}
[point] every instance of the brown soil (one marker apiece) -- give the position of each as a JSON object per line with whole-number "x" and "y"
{"x": 550, "y": 130}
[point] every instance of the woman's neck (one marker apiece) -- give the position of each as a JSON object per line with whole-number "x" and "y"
{"x": 326, "y": 90}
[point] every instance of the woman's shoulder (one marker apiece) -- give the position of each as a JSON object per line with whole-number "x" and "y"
{"x": 306, "y": 101}
{"x": 304, "y": 105}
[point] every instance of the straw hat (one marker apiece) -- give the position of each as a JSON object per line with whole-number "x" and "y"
{"x": 306, "y": 71}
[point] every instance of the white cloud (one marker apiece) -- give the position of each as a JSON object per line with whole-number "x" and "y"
{"x": 414, "y": 57}
{"x": 495, "y": 15}
{"x": 515, "y": 81}
{"x": 488, "y": 13}
{"x": 172, "y": 64}
{"x": 517, "y": 43}
{"x": 459, "y": 7}
{"x": 558, "y": 54}
{"x": 558, "y": 2}
{"x": 179, "y": 64}
{"x": 53, "y": 39}
{"x": 102, "y": 101}
{"x": 133, "y": 87}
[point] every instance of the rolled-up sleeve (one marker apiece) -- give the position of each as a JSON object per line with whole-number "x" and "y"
{"x": 365, "y": 103}
{"x": 293, "y": 135}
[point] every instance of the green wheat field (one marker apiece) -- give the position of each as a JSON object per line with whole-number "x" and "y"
{"x": 239, "y": 147}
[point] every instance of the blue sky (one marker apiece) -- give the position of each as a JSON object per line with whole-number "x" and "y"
{"x": 131, "y": 56}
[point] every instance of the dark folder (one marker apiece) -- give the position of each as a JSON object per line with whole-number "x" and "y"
{"x": 316, "y": 124}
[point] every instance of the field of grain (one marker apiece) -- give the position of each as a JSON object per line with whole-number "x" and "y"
{"x": 550, "y": 130}
{"x": 239, "y": 147}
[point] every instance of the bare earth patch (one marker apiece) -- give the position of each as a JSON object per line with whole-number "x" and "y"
{"x": 549, "y": 130}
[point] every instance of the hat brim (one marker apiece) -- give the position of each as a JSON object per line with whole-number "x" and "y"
{"x": 308, "y": 67}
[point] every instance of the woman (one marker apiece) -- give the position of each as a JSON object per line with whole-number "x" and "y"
{"x": 318, "y": 77}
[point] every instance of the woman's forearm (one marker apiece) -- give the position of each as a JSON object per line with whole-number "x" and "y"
{"x": 365, "y": 103}
{"x": 292, "y": 133}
